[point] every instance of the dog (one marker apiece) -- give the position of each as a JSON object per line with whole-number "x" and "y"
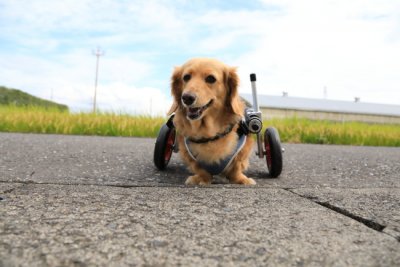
{"x": 208, "y": 112}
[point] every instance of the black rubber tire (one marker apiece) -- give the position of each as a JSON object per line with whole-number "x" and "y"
{"x": 164, "y": 147}
{"x": 273, "y": 150}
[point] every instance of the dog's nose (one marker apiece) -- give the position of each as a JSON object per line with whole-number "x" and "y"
{"x": 188, "y": 98}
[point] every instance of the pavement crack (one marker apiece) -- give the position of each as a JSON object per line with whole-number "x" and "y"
{"x": 369, "y": 223}
{"x": 9, "y": 190}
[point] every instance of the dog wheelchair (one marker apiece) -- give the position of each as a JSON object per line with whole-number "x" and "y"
{"x": 268, "y": 145}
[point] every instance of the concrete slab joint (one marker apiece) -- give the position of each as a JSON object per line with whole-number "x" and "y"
{"x": 97, "y": 201}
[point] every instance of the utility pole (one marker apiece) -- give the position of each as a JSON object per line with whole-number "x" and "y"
{"x": 98, "y": 53}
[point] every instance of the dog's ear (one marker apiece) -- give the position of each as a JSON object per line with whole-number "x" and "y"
{"x": 176, "y": 89}
{"x": 232, "y": 97}
{"x": 173, "y": 108}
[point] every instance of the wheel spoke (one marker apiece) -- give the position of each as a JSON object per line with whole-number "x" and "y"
{"x": 169, "y": 146}
{"x": 268, "y": 153}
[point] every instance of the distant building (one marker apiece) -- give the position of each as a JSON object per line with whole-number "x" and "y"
{"x": 323, "y": 109}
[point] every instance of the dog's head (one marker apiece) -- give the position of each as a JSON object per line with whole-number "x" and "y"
{"x": 202, "y": 86}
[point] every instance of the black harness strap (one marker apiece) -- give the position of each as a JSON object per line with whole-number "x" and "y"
{"x": 214, "y": 138}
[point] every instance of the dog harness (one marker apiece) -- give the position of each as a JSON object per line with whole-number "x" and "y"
{"x": 217, "y": 168}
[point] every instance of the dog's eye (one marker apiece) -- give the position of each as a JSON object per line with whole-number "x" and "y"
{"x": 187, "y": 77}
{"x": 210, "y": 79}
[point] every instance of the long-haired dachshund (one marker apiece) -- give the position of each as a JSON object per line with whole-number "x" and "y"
{"x": 208, "y": 111}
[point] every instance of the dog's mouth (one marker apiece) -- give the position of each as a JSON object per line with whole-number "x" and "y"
{"x": 194, "y": 113}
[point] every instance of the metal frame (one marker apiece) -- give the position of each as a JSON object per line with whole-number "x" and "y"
{"x": 261, "y": 152}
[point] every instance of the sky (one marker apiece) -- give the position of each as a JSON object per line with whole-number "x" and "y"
{"x": 334, "y": 49}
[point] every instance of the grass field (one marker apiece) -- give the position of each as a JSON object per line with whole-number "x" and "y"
{"x": 292, "y": 130}
{"x": 52, "y": 121}
{"x": 295, "y": 130}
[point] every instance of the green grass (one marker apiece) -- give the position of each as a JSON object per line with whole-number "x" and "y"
{"x": 292, "y": 130}
{"x": 296, "y": 130}
{"x": 53, "y": 121}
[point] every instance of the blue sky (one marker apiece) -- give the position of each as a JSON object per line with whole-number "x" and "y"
{"x": 349, "y": 47}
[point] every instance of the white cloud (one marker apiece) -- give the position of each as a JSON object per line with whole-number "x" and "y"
{"x": 225, "y": 28}
{"x": 69, "y": 79}
{"x": 119, "y": 97}
{"x": 334, "y": 44}
{"x": 90, "y": 21}
{"x": 351, "y": 47}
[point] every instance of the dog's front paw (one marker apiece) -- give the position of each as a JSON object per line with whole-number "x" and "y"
{"x": 249, "y": 181}
{"x": 197, "y": 180}
{"x": 242, "y": 179}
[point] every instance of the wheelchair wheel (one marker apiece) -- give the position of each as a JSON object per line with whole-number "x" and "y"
{"x": 273, "y": 151}
{"x": 164, "y": 147}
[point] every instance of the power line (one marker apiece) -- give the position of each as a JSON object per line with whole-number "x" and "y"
{"x": 98, "y": 53}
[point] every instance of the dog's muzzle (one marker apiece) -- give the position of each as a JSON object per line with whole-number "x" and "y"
{"x": 194, "y": 113}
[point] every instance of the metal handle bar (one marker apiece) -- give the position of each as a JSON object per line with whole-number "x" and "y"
{"x": 253, "y": 80}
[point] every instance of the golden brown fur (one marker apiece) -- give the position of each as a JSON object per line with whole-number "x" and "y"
{"x": 226, "y": 108}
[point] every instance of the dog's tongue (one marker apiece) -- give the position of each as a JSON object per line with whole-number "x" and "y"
{"x": 194, "y": 110}
{"x": 194, "y": 113}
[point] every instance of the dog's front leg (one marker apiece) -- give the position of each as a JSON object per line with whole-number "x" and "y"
{"x": 236, "y": 176}
{"x": 200, "y": 177}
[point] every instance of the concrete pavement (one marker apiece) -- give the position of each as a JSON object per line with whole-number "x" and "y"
{"x": 87, "y": 201}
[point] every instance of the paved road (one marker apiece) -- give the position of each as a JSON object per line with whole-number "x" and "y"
{"x": 86, "y": 201}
